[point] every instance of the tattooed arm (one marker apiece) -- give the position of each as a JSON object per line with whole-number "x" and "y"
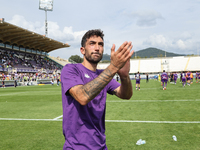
{"x": 85, "y": 93}
{"x": 124, "y": 91}
{"x": 119, "y": 60}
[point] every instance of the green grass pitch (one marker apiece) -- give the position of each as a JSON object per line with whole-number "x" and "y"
{"x": 30, "y": 118}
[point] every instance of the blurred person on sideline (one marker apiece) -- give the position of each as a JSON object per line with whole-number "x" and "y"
{"x": 84, "y": 90}
{"x": 3, "y": 80}
{"x": 147, "y": 78}
{"x": 159, "y": 79}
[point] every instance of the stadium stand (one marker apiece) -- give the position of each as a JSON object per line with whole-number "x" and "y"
{"x": 25, "y": 54}
{"x": 59, "y": 60}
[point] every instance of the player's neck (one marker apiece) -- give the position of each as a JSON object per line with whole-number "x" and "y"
{"x": 90, "y": 66}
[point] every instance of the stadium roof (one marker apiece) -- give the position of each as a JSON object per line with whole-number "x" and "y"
{"x": 14, "y": 35}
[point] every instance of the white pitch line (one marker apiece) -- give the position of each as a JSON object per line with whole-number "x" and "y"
{"x": 21, "y": 119}
{"x": 127, "y": 101}
{"x": 58, "y": 117}
{"x": 126, "y": 121}
{"x": 137, "y": 121}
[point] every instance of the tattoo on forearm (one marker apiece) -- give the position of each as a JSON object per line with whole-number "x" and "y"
{"x": 94, "y": 87}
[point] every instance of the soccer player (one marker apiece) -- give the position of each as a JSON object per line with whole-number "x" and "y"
{"x": 175, "y": 76}
{"x": 164, "y": 79}
{"x": 183, "y": 74}
{"x": 188, "y": 78}
{"x": 181, "y": 77}
{"x": 197, "y": 74}
{"x": 137, "y": 78}
{"x": 84, "y": 91}
{"x": 199, "y": 77}
{"x": 191, "y": 76}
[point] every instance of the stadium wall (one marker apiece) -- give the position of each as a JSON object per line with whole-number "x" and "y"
{"x": 157, "y": 65}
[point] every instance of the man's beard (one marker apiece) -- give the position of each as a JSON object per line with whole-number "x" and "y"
{"x": 92, "y": 60}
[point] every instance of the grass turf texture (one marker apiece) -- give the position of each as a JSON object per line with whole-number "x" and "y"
{"x": 151, "y": 103}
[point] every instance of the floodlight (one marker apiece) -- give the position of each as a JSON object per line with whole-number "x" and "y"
{"x": 46, "y": 5}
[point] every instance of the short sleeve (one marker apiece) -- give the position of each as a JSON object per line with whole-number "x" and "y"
{"x": 70, "y": 76}
{"x": 112, "y": 85}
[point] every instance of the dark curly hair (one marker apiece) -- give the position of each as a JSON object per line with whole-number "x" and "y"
{"x": 91, "y": 33}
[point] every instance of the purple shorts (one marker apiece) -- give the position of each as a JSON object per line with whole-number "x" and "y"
{"x": 183, "y": 80}
{"x": 164, "y": 80}
{"x": 189, "y": 78}
{"x": 137, "y": 81}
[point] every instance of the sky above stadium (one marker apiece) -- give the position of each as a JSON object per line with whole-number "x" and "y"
{"x": 173, "y": 25}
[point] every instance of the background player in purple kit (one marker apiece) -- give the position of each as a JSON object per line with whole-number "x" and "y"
{"x": 84, "y": 91}
{"x": 188, "y": 78}
{"x": 137, "y": 78}
{"x": 175, "y": 76}
{"x": 196, "y": 77}
{"x": 164, "y": 79}
{"x": 183, "y": 74}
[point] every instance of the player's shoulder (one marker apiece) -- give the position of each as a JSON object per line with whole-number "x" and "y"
{"x": 70, "y": 68}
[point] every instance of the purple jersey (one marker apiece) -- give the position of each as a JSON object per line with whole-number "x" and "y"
{"x": 183, "y": 75}
{"x": 188, "y": 75}
{"x": 175, "y": 76}
{"x": 137, "y": 78}
{"x": 198, "y": 75}
{"x": 83, "y": 126}
{"x": 164, "y": 77}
